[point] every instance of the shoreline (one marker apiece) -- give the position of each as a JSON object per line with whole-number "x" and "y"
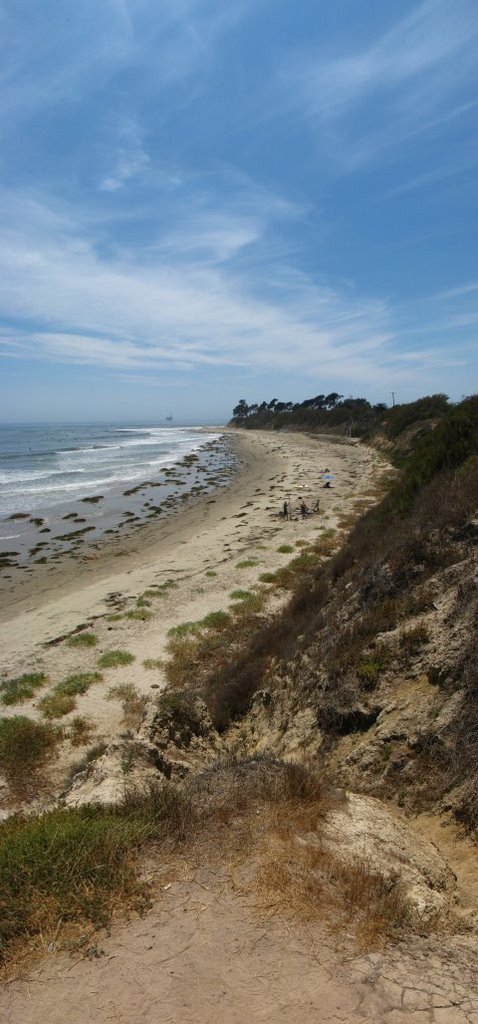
{"x": 128, "y": 555}
{"x": 51, "y": 531}
{"x": 128, "y": 563}
{"x": 203, "y": 555}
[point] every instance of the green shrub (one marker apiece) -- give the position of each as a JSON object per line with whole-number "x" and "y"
{"x": 183, "y": 629}
{"x": 25, "y": 746}
{"x": 57, "y": 704}
{"x": 140, "y": 614}
{"x": 78, "y": 683}
{"x": 114, "y": 659}
{"x": 80, "y": 730}
{"x": 180, "y": 707}
{"x": 82, "y": 640}
{"x": 368, "y": 671}
{"x": 215, "y": 620}
{"x": 14, "y": 691}
{"x": 61, "y": 700}
{"x": 285, "y": 549}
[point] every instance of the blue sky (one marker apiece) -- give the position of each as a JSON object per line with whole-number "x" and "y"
{"x": 203, "y": 201}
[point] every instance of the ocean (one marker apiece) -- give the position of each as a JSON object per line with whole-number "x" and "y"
{"x": 49, "y": 470}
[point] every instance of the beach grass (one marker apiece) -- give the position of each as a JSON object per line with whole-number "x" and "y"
{"x": 61, "y": 700}
{"x": 183, "y": 628}
{"x": 215, "y": 620}
{"x": 82, "y": 640}
{"x": 57, "y": 704}
{"x": 80, "y": 730}
{"x": 138, "y": 614}
{"x": 25, "y": 746}
{"x": 15, "y": 691}
{"x": 133, "y": 703}
{"x": 115, "y": 659}
{"x": 267, "y": 577}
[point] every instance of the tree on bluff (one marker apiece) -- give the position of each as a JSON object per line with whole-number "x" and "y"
{"x": 241, "y": 410}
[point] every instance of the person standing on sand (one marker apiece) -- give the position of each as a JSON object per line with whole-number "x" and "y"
{"x": 286, "y": 510}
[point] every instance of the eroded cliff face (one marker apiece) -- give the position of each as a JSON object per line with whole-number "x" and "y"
{"x": 392, "y": 713}
{"x": 379, "y": 687}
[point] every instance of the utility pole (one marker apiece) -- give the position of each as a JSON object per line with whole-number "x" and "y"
{"x": 393, "y": 398}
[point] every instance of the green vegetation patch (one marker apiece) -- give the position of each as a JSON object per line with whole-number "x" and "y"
{"x": 14, "y": 691}
{"x": 57, "y": 704}
{"x": 80, "y": 731}
{"x": 79, "y": 683}
{"x": 138, "y": 614}
{"x": 247, "y": 563}
{"x": 215, "y": 620}
{"x": 183, "y": 628}
{"x": 114, "y": 659}
{"x": 71, "y": 864}
{"x": 25, "y": 746}
{"x": 285, "y": 549}
{"x": 241, "y": 595}
{"x": 82, "y": 640}
{"x": 61, "y": 700}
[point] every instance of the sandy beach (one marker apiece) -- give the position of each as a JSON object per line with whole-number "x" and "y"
{"x": 200, "y": 551}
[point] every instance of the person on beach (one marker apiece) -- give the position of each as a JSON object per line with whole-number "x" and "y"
{"x": 286, "y": 510}
{"x": 303, "y": 510}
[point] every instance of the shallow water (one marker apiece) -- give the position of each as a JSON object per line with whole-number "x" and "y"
{"x": 62, "y": 487}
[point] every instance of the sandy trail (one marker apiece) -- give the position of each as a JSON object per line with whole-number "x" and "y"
{"x": 200, "y": 955}
{"x": 203, "y": 955}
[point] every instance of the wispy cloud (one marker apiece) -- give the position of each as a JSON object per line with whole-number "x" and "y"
{"x": 183, "y": 311}
{"x": 131, "y": 158}
{"x": 408, "y": 81}
{"x": 42, "y": 67}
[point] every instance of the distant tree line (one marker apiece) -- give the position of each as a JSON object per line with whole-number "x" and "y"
{"x": 355, "y": 416}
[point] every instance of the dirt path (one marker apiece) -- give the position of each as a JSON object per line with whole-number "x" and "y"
{"x": 202, "y": 955}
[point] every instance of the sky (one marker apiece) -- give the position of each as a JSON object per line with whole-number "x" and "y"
{"x": 204, "y": 201}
